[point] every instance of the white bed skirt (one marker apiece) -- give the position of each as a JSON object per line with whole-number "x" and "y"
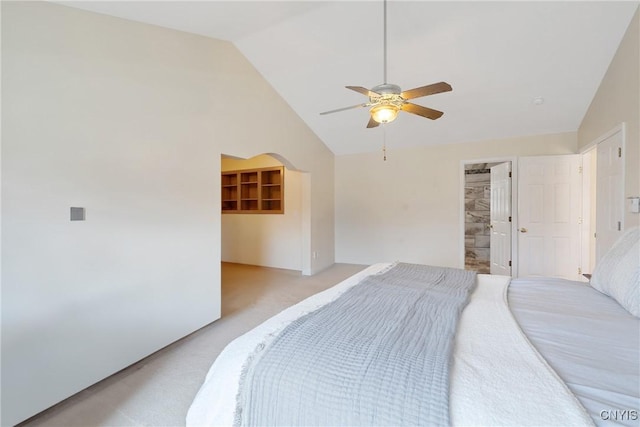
{"x": 498, "y": 378}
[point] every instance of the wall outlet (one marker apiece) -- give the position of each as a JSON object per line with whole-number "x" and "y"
{"x": 314, "y": 255}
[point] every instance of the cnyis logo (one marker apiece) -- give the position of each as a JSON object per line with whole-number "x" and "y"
{"x": 619, "y": 415}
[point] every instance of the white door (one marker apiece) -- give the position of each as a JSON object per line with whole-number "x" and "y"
{"x": 500, "y": 217}
{"x": 549, "y": 206}
{"x": 609, "y": 193}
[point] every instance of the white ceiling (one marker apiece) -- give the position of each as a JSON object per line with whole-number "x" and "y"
{"x": 498, "y": 56}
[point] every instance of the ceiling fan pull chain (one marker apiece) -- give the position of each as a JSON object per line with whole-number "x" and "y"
{"x": 384, "y": 143}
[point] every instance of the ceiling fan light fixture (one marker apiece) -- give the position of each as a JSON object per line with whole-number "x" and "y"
{"x": 387, "y": 100}
{"x": 385, "y": 113}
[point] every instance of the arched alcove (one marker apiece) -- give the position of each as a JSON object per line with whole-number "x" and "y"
{"x": 270, "y": 240}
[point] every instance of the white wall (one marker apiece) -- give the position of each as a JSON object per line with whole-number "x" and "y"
{"x": 124, "y": 119}
{"x": 618, "y": 101}
{"x": 408, "y": 208}
{"x": 269, "y": 240}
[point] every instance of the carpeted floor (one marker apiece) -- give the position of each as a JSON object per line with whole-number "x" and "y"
{"x": 158, "y": 390}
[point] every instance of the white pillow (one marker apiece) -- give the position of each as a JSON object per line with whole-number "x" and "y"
{"x": 618, "y": 272}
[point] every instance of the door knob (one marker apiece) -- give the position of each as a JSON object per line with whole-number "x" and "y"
{"x": 523, "y": 230}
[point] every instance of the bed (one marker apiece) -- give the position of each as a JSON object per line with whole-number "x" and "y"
{"x": 532, "y": 351}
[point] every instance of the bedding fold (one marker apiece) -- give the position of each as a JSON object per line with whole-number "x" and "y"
{"x": 498, "y": 377}
{"x": 377, "y": 355}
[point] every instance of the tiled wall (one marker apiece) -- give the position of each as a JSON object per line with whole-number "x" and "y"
{"x": 477, "y": 204}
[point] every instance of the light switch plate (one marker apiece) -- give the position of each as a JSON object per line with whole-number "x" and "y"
{"x": 77, "y": 214}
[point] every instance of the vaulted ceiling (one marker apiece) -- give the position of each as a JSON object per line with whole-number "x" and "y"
{"x": 498, "y": 56}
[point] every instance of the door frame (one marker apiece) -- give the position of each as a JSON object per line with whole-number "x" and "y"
{"x": 592, "y": 175}
{"x": 514, "y": 206}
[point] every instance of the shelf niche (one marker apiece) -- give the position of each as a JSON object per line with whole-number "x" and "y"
{"x": 253, "y": 191}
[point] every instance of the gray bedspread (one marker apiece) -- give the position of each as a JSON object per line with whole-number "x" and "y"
{"x": 377, "y": 355}
{"x": 589, "y": 339}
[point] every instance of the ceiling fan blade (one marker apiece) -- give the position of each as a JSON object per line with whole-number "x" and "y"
{"x": 343, "y": 109}
{"x": 362, "y": 90}
{"x": 372, "y": 123}
{"x": 421, "y": 111}
{"x": 426, "y": 90}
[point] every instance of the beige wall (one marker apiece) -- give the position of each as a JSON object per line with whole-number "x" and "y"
{"x": 269, "y": 240}
{"x": 129, "y": 121}
{"x": 618, "y": 101}
{"x": 408, "y": 208}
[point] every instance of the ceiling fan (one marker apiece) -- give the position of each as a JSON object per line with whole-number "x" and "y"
{"x": 387, "y": 100}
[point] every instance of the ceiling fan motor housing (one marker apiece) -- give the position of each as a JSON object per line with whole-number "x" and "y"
{"x": 387, "y": 89}
{"x": 388, "y": 96}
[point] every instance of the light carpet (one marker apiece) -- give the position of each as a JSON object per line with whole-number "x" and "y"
{"x": 158, "y": 390}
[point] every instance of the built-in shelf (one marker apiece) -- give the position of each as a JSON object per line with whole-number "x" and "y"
{"x": 253, "y": 191}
